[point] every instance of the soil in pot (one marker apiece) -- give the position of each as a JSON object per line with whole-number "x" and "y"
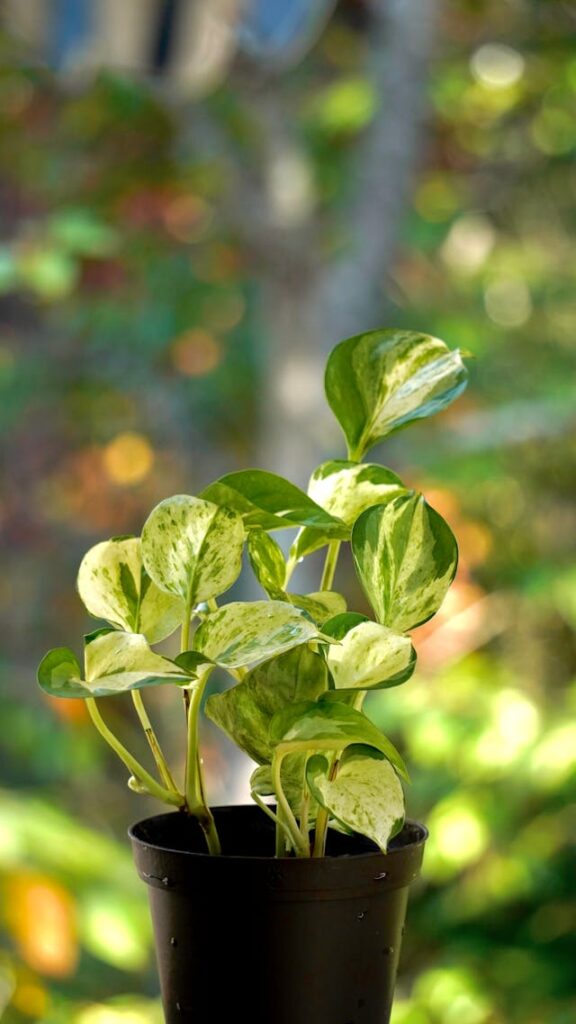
{"x": 249, "y": 937}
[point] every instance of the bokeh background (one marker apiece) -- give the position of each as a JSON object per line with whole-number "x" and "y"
{"x": 197, "y": 201}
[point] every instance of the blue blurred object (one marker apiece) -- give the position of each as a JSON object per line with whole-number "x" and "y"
{"x": 282, "y": 29}
{"x": 70, "y": 31}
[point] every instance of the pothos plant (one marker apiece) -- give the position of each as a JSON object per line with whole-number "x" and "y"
{"x": 300, "y": 665}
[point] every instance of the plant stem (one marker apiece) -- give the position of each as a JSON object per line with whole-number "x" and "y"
{"x": 301, "y": 847}
{"x": 275, "y": 818}
{"x": 195, "y": 796}
{"x": 157, "y": 754}
{"x": 134, "y": 766}
{"x": 330, "y": 565}
{"x": 320, "y": 834}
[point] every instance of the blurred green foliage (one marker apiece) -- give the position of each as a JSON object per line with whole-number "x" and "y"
{"x": 131, "y": 347}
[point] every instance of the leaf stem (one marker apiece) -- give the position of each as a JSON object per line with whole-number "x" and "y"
{"x": 330, "y": 565}
{"x": 195, "y": 795}
{"x": 300, "y": 845}
{"x": 319, "y": 849}
{"x": 154, "y": 745}
{"x": 134, "y": 766}
{"x": 268, "y": 810}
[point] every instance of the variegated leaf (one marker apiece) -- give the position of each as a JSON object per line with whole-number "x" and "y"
{"x": 267, "y": 562}
{"x": 269, "y": 501}
{"x": 370, "y": 656}
{"x": 319, "y": 606}
{"x": 329, "y": 723}
{"x": 246, "y": 632}
{"x": 346, "y": 489}
{"x": 115, "y": 662}
{"x": 406, "y": 558}
{"x": 114, "y": 585}
{"x": 192, "y": 548}
{"x": 366, "y": 795}
{"x": 379, "y": 381}
{"x": 245, "y": 711}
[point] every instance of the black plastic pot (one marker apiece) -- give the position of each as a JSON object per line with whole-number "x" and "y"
{"x": 248, "y": 937}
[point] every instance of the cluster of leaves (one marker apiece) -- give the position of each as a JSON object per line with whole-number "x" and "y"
{"x": 303, "y": 663}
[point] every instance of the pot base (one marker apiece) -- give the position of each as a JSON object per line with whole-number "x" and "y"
{"x": 274, "y": 941}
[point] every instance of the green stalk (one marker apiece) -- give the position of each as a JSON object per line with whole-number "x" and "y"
{"x": 134, "y": 766}
{"x": 157, "y": 754}
{"x": 195, "y": 796}
{"x": 330, "y": 565}
{"x": 321, "y": 832}
{"x": 300, "y": 846}
{"x": 280, "y": 825}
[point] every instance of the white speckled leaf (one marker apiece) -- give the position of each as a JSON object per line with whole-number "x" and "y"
{"x": 115, "y": 662}
{"x": 267, "y": 562}
{"x": 346, "y": 489}
{"x": 115, "y": 586}
{"x": 379, "y": 381}
{"x": 245, "y": 711}
{"x": 245, "y": 632}
{"x": 319, "y": 606}
{"x": 406, "y": 558}
{"x": 192, "y": 548}
{"x": 330, "y": 722}
{"x": 366, "y": 795}
{"x": 370, "y": 656}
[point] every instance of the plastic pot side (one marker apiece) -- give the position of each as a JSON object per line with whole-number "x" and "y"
{"x": 246, "y": 936}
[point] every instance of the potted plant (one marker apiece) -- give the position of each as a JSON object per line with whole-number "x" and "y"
{"x": 290, "y": 911}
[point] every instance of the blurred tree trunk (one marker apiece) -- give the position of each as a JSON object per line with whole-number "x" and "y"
{"x": 309, "y": 306}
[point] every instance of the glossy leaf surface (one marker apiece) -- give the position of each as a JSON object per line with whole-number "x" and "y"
{"x": 370, "y": 656}
{"x": 366, "y": 795}
{"x": 245, "y": 632}
{"x": 319, "y": 606}
{"x": 245, "y": 711}
{"x": 328, "y": 720}
{"x": 267, "y": 562}
{"x": 192, "y": 548}
{"x": 115, "y": 662}
{"x": 269, "y": 501}
{"x": 406, "y": 558}
{"x": 115, "y": 586}
{"x": 379, "y": 381}
{"x": 346, "y": 489}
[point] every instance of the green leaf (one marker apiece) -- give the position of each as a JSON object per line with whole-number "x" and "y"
{"x": 380, "y": 381}
{"x": 114, "y": 585}
{"x": 319, "y": 606}
{"x": 192, "y": 548}
{"x": 245, "y": 632}
{"x": 332, "y": 724}
{"x": 370, "y": 656}
{"x": 267, "y": 500}
{"x": 366, "y": 795}
{"x": 406, "y": 558}
{"x": 115, "y": 662}
{"x": 346, "y": 489}
{"x": 60, "y": 674}
{"x": 245, "y": 711}
{"x": 267, "y": 562}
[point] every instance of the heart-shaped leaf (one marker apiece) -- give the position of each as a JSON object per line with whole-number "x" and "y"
{"x": 369, "y": 656}
{"x": 115, "y": 662}
{"x": 346, "y": 489}
{"x": 114, "y": 585}
{"x": 192, "y": 548}
{"x": 332, "y": 725}
{"x": 267, "y": 500}
{"x": 366, "y": 795}
{"x": 319, "y": 606}
{"x": 245, "y": 632}
{"x": 267, "y": 562}
{"x": 406, "y": 558}
{"x": 245, "y": 711}
{"x": 379, "y": 381}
